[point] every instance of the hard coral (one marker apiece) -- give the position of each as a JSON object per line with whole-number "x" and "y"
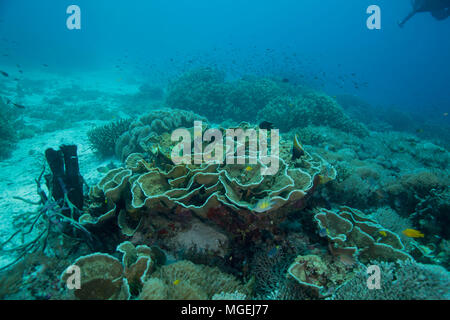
{"x": 206, "y": 92}
{"x": 186, "y": 280}
{"x": 310, "y": 108}
{"x": 224, "y": 195}
{"x": 404, "y": 280}
{"x": 103, "y": 138}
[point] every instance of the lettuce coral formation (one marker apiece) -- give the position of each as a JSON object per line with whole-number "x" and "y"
{"x": 353, "y": 235}
{"x": 225, "y": 195}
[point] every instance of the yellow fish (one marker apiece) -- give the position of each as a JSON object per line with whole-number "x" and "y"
{"x": 413, "y": 233}
{"x": 383, "y": 233}
{"x": 263, "y": 205}
{"x": 248, "y": 169}
{"x": 176, "y": 282}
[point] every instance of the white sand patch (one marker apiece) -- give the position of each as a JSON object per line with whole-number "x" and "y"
{"x": 18, "y": 173}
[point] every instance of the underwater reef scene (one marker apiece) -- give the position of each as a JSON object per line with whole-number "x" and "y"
{"x": 91, "y": 183}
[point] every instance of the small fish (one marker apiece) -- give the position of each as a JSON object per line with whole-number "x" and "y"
{"x": 4, "y": 73}
{"x": 419, "y": 130}
{"x": 380, "y": 194}
{"x": 285, "y": 80}
{"x": 383, "y": 233}
{"x": 176, "y": 282}
{"x": 273, "y": 252}
{"x": 45, "y": 65}
{"x": 248, "y": 169}
{"x": 19, "y": 106}
{"x": 154, "y": 149}
{"x": 445, "y": 114}
{"x": 412, "y": 233}
{"x": 8, "y": 101}
{"x": 263, "y": 205}
{"x": 297, "y": 149}
{"x": 266, "y": 125}
{"x": 323, "y": 232}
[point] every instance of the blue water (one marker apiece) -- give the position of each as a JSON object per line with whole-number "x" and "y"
{"x": 407, "y": 67}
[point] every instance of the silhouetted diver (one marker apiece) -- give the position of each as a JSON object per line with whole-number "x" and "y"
{"x": 439, "y": 9}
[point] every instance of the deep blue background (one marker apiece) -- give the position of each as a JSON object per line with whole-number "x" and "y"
{"x": 408, "y": 67}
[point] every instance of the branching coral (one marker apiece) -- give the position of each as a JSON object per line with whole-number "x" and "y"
{"x": 270, "y": 272}
{"x": 103, "y": 139}
{"x": 404, "y": 280}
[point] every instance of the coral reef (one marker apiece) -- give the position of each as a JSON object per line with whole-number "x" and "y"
{"x": 102, "y": 278}
{"x": 318, "y": 276}
{"x": 206, "y": 92}
{"x": 353, "y": 235}
{"x": 151, "y": 228}
{"x": 405, "y": 280}
{"x": 185, "y": 280}
{"x": 154, "y": 194}
{"x": 149, "y": 126}
{"x": 309, "y": 108}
